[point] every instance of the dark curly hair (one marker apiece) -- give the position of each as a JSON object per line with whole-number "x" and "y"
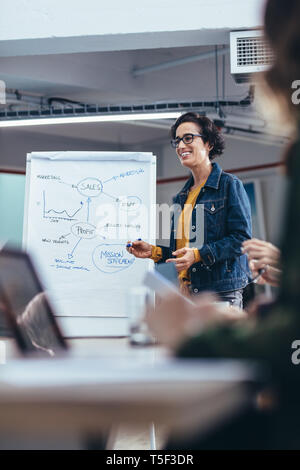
{"x": 210, "y": 132}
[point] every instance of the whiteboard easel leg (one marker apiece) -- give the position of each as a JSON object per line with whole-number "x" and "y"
{"x": 152, "y": 437}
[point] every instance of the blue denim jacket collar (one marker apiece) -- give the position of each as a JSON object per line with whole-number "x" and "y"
{"x": 212, "y": 181}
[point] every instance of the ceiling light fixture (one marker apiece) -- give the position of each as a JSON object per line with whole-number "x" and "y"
{"x": 87, "y": 119}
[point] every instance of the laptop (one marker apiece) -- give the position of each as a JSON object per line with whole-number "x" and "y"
{"x": 50, "y": 361}
{"x": 26, "y": 307}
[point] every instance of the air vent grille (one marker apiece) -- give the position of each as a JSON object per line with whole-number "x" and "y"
{"x": 249, "y": 54}
{"x": 253, "y": 51}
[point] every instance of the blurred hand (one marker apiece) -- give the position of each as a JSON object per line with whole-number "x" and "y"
{"x": 140, "y": 249}
{"x": 270, "y": 275}
{"x": 264, "y": 253}
{"x": 173, "y": 319}
{"x": 185, "y": 258}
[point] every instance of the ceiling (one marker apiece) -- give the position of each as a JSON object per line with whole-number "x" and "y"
{"x": 107, "y": 78}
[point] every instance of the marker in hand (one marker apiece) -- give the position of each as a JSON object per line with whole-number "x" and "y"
{"x": 139, "y": 248}
{"x": 130, "y": 244}
{"x": 260, "y": 272}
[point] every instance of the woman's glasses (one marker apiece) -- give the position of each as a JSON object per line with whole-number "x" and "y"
{"x": 186, "y": 139}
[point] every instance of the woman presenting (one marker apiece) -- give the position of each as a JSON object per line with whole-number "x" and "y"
{"x": 218, "y": 265}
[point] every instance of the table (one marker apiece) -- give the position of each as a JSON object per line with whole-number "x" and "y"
{"x": 73, "y": 398}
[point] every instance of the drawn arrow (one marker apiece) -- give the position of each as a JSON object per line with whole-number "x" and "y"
{"x": 64, "y": 236}
{"x": 63, "y": 182}
{"x": 70, "y": 255}
{"x": 110, "y": 179}
{"x": 88, "y": 208}
{"x": 102, "y": 236}
{"x": 113, "y": 197}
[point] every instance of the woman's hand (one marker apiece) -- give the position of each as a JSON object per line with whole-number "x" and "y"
{"x": 186, "y": 257}
{"x": 139, "y": 249}
{"x": 173, "y": 319}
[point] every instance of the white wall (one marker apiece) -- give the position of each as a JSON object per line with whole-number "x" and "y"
{"x": 237, "y": 154}
{"x": 14, "y": 145}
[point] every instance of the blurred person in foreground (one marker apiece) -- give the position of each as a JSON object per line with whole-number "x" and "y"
{"x": 267, "y": 338}
{"x": 174, "y": 321}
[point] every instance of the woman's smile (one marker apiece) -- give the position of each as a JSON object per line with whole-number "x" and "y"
{"x": 184, "y": 155}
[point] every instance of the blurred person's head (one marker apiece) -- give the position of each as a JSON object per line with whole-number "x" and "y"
{"x": 282, "y": 30}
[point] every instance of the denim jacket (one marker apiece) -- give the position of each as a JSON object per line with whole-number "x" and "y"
{"x": 227, "y": 223}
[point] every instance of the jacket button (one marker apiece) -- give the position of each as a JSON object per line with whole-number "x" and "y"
{"x": 194, "y": 270}
{"x": 193, "y": 227}
{"x": 195, "y": 290}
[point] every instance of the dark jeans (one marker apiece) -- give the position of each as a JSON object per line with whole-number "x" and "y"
{"x": 235, "y": 297}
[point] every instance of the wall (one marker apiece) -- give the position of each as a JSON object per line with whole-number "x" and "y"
{"x": 12, "y": 191}
{"x": 15, "y": 144}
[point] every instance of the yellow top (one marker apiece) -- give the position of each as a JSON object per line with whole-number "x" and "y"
{"x": 183, "y": 234}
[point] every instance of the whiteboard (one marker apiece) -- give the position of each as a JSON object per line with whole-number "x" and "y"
{"x": 80, "y": 210}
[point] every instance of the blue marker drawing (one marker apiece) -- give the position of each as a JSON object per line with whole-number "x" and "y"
{"x": 113, "y": 197}
{"x": 102, "y": 236}
{"x": 64, "y": 236}
{"x": 90, "y": 187}
{"x": 70, "y": 216}
{"x": 68, "y": 184}
{"x": 88, "y": 208}
{"x": 110, "y": 179}
{"x": 112, "y": 258}
{"x": 84, "y": 230}
{"x": 129, "y": 203}
{"x": 126, "y": 173}
{"x": 70, "y": 255}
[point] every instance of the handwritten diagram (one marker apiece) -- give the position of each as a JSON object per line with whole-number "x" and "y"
{"x": 81, "y": 208}
{"x": 99, "y": 215}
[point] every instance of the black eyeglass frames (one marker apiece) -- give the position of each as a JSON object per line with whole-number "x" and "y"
{"x": 187, "y": 139}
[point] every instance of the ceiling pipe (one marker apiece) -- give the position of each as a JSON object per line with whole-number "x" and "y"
{"x": 175, "y": 63}
{"x": 164, "y": 124}
{"x": 17, "y": 96}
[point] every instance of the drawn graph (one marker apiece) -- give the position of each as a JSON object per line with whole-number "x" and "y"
{"x": 58, "y": 214}
{"x": 109, "y": 257}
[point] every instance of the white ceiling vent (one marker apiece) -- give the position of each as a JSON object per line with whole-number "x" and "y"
{"x": 249, "y": 54}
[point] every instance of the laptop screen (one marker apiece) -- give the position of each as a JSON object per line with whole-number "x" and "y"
{"x": 26, "y": 306}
